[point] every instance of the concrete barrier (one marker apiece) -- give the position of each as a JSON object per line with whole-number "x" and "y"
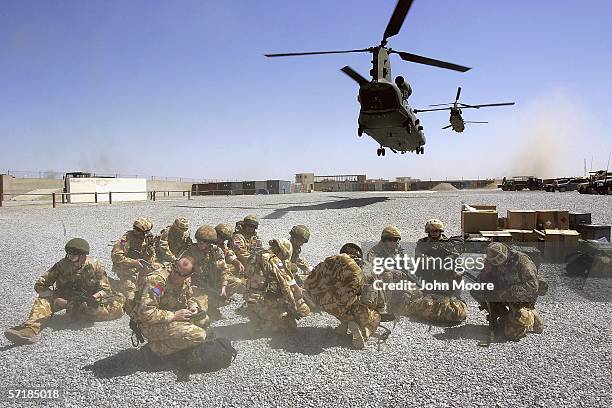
{"x": 122, "y": 189}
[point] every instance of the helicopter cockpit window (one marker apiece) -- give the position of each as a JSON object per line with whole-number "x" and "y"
{"x": 379, "y": 99}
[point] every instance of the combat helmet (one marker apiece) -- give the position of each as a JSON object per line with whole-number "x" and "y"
{"x": 251, "y": 220}
{"x": 352, "y": 250}
{"x": 300, "y": 231}
{"x": 224, "y": 231}
{"x": 77, "y": 246}
{"x": 143, "y": 224}
{"x": 181, "y": 223}
{"x": 206, "y": 233}
{"x": 391, "y": 231}
{"x": 497, "y": 253}
{"x": 282, "y": 248}
{"x": 433, "y": 225}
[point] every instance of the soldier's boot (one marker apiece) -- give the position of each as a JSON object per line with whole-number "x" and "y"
{"x": 358, "y": 340}
{"x": 342, "y": 329}
{"x": 22, "y": 335}
{"x": 538, "y": 323}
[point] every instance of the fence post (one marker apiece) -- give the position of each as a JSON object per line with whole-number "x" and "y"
{"x": 96, "y": 197}
{"x": 110, "y": 197}
{"x": 154, "y": 194}
{"x": 189, "y": 194}
{"x": 53, "y": 198}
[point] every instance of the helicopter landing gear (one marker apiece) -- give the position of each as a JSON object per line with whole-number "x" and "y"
{"x": 359, "y": 131}
{"x": 420, "y": 150}
{"x": 380, "y": 152}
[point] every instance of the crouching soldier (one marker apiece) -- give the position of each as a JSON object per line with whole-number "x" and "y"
{"x": 77, "y": 283}
{"x": 173, "y": 241}
{"x": 164, "y": 307}
{"x": 515, "y": 288}
{"x": 442, "y": 304}
{"x": 339, "y": 287}
{"x": 274, "y": 300}
{"x": 132, "y": 255}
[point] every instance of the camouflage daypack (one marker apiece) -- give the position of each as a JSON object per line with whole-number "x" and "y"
{"x": 335, "y": 284}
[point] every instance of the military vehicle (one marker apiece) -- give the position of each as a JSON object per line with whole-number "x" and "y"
{"x": 600, "y": 182}
{"x": 565, "y": 184}
{"x": 520, "y": 183}
{"x": 385, "y": 114}
{"x": 456, "y": 119}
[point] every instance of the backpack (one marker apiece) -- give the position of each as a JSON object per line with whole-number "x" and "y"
{"x": 215, "y": 354}
{"x": 335, "y": 284}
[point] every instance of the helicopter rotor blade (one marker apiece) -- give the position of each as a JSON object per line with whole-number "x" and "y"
{"x": 397, "y": 18}
{"x": 406, "y": 56}
{"x": 441, "y": 104}
{"x": 471, "y": 121}
{"x": 430, "y": 110}
{"x": 486, "y": 105}
{"x": 355, "y": 75}
{"x": 294, "y": 54}
{"x": 446, "y": 127}
{"x": 458, "y": 93}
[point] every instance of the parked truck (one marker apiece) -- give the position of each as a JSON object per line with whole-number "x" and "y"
{"x": 600, "y": 182}
{"x": 520, "y": 183}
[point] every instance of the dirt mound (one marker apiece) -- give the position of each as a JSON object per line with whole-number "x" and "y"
{"x": 444, "y": 187}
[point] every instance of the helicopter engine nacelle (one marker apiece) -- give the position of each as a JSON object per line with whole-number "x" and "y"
{"x": 403, "y": 85}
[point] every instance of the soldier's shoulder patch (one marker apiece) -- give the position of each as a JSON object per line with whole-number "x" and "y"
{"x": 159, "y": 289}
{"x": 281, "y": 265}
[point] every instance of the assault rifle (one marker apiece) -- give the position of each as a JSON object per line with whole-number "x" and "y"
{"x": 494, "y": 311}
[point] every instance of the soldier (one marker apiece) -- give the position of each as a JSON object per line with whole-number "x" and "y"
{"x": 340, "y": 287}
{"x": 389, "y": 247}
{"x": 77, "y": 283}
{"x": 173, "y": 241}
{"x": 211, "y": 276}
{"x": 132, "y": 255}
{"x": 224, "y": 234}
{"x": 245, "y": 239}
{"x": 516, "y": 287}
{"x": 163, "y": 311}
{"x": 274, "y": 300}
{"x": 299, "y": 235}
{"x": 438, "y": 306}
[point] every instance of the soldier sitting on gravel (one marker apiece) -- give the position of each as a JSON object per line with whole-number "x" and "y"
{"x": 516, "y": 289}
{"x": 173, "y": 241}
{"x": 132, "y": 255}
{"x": 396, "y": 301}
{"x": 339, "y": 287}
{"x": 245, "y": 238}
{"x": 214, "y": 284}
{"x": 224, "y": 234}
{"x": 274, "y": 300}
{"x": 438, "y": 306}
{"x": 165, "y": 312}
{"x": 77, "y": 283}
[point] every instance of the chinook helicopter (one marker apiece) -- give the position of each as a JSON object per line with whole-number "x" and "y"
{"x": 456, "y": 120}
{"x": 385, "y": 114}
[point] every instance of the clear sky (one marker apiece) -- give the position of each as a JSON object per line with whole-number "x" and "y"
{"x": 181, "y": 88}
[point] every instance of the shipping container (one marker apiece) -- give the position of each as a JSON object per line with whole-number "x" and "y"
{"x": 236, "y": 187}
{"x": 248, "y": 185}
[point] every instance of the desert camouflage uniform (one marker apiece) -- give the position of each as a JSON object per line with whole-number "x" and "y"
{"x": 124, "y": 254}
{"x": 157, "y": 301}
{"x": 90, "y": 278}
{"x": 396, "y": 301}
{"x": 438, "y": 306}
{"x": 298, "y": 264}
{"x": 517, "y": 286}
{"x": 242, "y": 245}
{"x": 171, "y": 243}
{"x": 339, "y": 287}
{"x": 269, "y": 294}
{"x": 210, "y": 272}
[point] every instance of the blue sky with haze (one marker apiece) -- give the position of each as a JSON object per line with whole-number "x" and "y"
{"x": 182, "y": 88}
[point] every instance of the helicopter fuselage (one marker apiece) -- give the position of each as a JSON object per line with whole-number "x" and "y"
{"x": 385, "y": 114}
{"x": 456, "y": 120}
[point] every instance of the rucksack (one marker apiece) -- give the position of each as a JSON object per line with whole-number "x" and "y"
{"x": 215, "y": 354}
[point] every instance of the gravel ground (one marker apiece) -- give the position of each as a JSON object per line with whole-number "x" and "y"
{"x": 568, "y": 365}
